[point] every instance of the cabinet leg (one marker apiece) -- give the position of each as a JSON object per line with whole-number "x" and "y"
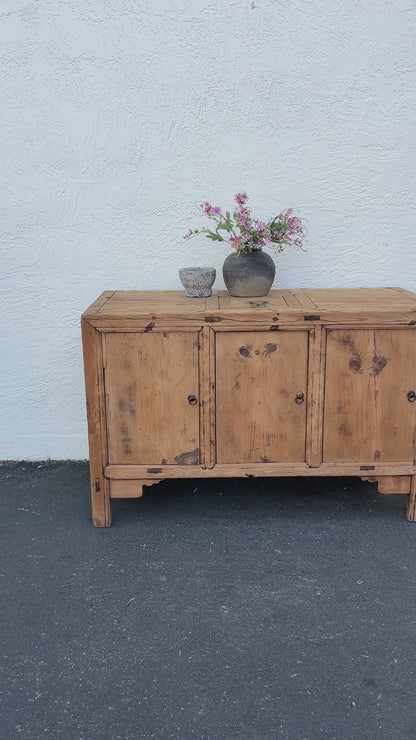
{"x": 411, "y": 501}
{"x": 100, "y": 502}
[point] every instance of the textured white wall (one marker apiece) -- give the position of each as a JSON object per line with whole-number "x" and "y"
{"x": 118, "y": 115}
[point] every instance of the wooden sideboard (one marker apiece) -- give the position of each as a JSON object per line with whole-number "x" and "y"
{"x": 299, "y": 383}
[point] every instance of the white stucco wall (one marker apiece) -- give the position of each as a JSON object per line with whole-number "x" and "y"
{"x": 117, "y": 115}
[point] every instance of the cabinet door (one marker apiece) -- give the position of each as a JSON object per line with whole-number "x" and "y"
{"x": 368, "y": 414}
{"x": 151, "y": 385}
{"x": 261, "y": 396}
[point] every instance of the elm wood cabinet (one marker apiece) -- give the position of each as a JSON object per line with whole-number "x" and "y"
{"x": 302, "y": 382}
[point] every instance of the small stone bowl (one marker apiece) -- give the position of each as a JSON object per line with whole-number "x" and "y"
{"x": 197, "y": 281}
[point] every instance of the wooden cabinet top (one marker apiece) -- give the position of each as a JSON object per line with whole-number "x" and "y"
{"x": 357, "y": 305}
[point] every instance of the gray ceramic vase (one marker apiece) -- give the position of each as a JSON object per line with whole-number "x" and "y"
{"x": 197, "y": 281}
{"x": 248, "y": 275}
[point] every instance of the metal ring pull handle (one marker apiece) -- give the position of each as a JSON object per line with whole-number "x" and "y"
{"x": 411, "y": 396}
{"x": 192, "y": 399}
{"x": 300, "y": 397}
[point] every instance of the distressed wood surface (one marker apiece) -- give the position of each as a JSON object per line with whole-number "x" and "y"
{"x": 411, "y": 501}
{"x": 160, "y": 309}
{"x": 315, "y": 397}
{"x": 207, "y": 391}
{"x": 242, "y": 362}
{"x": 394, "y": 484}
{"x": 258, "y": 377}
{"x": 94, "y": 387}
{"x": 130, "y": 488}
{"x": 152, "y": 398}
{"x": 252, "y": 470}
{"x": 367, "y": 414}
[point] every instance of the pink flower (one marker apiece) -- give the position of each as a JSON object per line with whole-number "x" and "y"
{"x": 243, "y": 218}
{"x": 246, "y": 234}
{"x": 211, "y": 210}
{"x": 191, "y": 232}
{"x": 236, "y": 242}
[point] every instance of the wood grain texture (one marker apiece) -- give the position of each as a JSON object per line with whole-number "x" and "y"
{"x": 368, "y": 302}
{"x": 394, "y": 484}
{"x": 94, "y": 387}
{"x": 316, "y": 366}
{"x": 207, "y": 390}
{"x": 171, "y": 310}
{"x": 129, "y": 488}
{"x": 152, "y": 398}
{"x": 258, "y": 376}
{"x": 251, "y": 470}
{"x": 367, "y": 414}
{"x": 411, "y": 501}
{"x": 180, "y": 388}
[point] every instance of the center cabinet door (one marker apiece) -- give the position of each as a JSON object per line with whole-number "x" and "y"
{"x": 152, "y": 397}
{"x": 261, "y": 381}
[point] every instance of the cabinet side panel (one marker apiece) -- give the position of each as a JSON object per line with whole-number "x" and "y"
{"x": 100, "y": 495}
{"x": 261, "y": 384}
{"x": 152, "y": 402}
{"x": 367, "y": 414}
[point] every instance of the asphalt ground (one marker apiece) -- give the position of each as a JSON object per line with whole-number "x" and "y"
{"x": 216, "y": 609}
